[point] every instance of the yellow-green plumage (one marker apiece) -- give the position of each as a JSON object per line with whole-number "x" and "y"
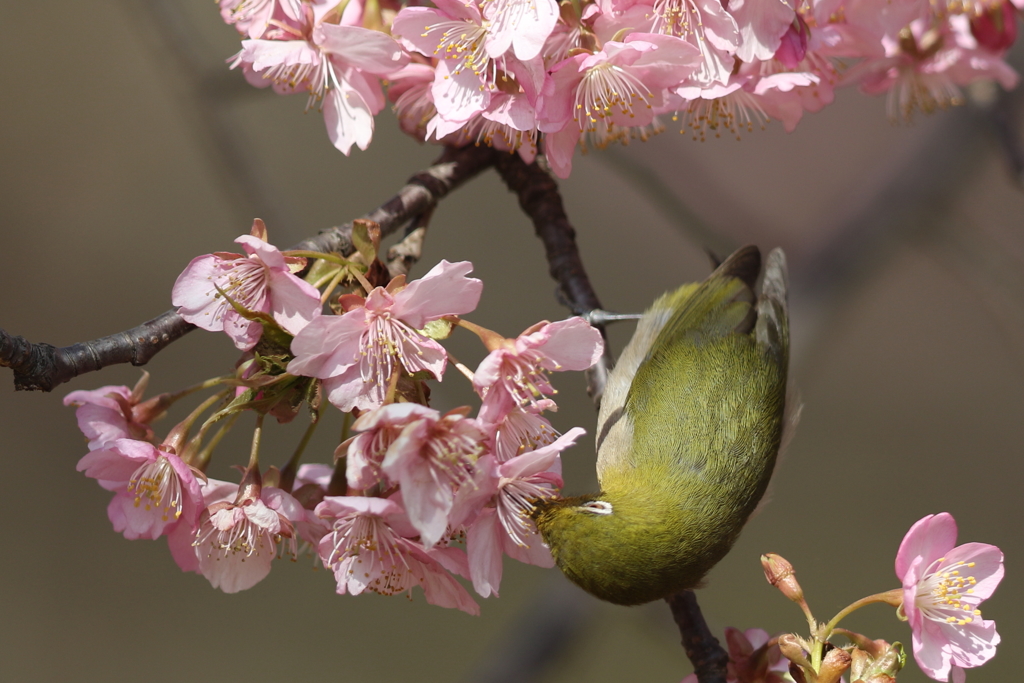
{"x": 687, "y": 436}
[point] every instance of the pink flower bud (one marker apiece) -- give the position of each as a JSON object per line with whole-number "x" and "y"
{"x": 793, "y": 47}
{"x": 996, "y": 27}
{"x": 780, "y": 574}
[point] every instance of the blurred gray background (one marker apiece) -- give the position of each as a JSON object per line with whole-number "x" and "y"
{"x": 127, "y": 148}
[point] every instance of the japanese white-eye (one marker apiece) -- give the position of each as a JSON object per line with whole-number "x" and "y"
{"x": 687, "y": 435}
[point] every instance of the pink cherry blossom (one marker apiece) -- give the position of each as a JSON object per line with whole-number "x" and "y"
{"x": 522, "y": 430}
{"x": 762, "y": 24}
{"x": 706, "y": 25}
{"x": 356, "y": 353}
{"x": 252, "y": 17}
{"x": 260, "y": 281}
{"x": 114, "y": 412}
{"x": 431, "y": 459}
{"x": 236, "y": 542}
{"x": 943, "y": 584}
{"x": 337, "y": 65}
{"x": 409, "y": 89}
{"x": 523, "y": 25}
{"x": 924, "y": 68}
{"x": 508, "y": 124}
{"x": 379, "y": 429}
{"x": 612, "y": 94}
{"x": 515, "y": 374}
{"x": 505, "y": 525}
{"x": 153, "y": 490}
{"x": 367, "y": 549}
{"x": 473, "y": 56}
{"x": 454, "y": 34}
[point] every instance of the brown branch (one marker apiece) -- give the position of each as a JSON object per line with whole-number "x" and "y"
{"x": 707, "y": 656}
{"x": 43, "y": 366}
{"x": 541, "y": 201}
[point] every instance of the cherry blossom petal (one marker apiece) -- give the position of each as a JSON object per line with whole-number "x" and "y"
{"x": 459, "y": 94}
{"x": 762, "y": 24}
{"x": 179, "y": 542}
{"x": 571, "y": 344}
{"x": 930, "y": 538}
{"x": 191, "y": 291}
{"x": 483, "y": 540}
{"x": 348, "y": 118}
{"x": 329, "y": 345}
{"x": 349, "y": 390}
{"x": 294, "y": 302}
{"x": 444, "y": 290}
{"x": 523, "y": 25}
{"x": 267, "y": 253}
{"x": 365, "y": 49}
{"x": 412, "y": 27}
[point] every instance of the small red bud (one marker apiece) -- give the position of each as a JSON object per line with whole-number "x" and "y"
{"x": 996, "y": 27}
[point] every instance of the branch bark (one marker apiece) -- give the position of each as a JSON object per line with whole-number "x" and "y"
{"x": 43, "y": 366}
{"x": 541, "y": 201}
{"x": 702, "y": 648}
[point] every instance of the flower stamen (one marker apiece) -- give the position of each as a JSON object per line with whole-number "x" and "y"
{"x": 154, "y": 483}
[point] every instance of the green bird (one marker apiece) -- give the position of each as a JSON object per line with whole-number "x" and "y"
{"x": 687, "y": 435}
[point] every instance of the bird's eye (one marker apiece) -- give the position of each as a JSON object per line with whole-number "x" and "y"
{"x": 596, "y": 507}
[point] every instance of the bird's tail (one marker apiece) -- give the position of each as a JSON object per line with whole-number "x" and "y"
{"x": 772, "y": 328}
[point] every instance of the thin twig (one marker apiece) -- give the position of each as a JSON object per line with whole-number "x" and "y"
{"x": 707, "y": 656}
{"x": 43, "y": 366}
{"x": 540, "y": 200}
{"x": 401, "y": 257}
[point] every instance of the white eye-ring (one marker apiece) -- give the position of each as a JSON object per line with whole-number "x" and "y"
{"x": 596, "y": 507}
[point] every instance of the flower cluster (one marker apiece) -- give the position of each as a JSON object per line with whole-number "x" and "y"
{"x": 415, "y": 497}
{"x": 510, "y": 73}
{"x": 943, "y": 586}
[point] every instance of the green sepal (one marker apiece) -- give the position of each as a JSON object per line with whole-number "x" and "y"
{"x": 366, "y": 239}
{"x": 322, "y": 270}
{"x": 438, "y": 329}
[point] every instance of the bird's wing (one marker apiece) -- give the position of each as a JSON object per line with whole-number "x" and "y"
{"x": 682, "y": 331}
